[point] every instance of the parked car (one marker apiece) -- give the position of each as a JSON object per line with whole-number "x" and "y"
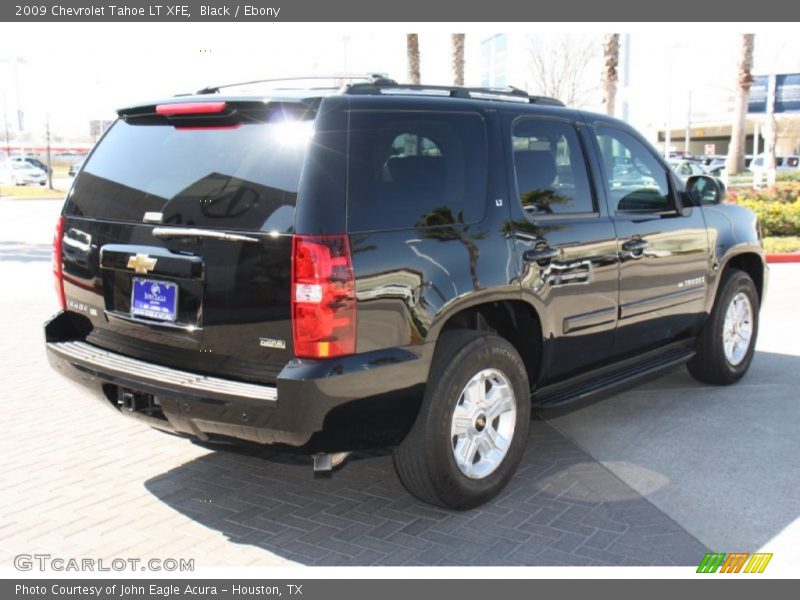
{"x": 686, "y": 168}
{"x": 74, "y": 168}
{"x": 23, "y": 173}
{"x": 783, "y": 164}
{"x": 714, "y": 161}
{"x": 717, "y": 170}
{"x": 390, "y": 265}
{"x": 716, "y": 165}
{"x": 34, "y": 162}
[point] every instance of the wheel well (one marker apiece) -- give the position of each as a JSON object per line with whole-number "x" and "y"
{"x": 515, "y": 321}
{"x": 751, "y": 264}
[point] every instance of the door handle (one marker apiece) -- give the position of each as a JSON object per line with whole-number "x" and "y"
{"x": 540, "y": 254}
{"x": 635, "y": 245}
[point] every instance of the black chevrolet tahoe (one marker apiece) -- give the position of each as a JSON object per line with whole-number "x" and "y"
{"x": 387, "y": 265}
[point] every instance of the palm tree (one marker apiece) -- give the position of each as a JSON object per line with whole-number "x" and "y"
{"x": 735, "y": 162}
{"x": 440, "y": 224}
{"x": 610, "y": 75}
{"x": 412, "y": 52}
{"x": 457, "y": 45}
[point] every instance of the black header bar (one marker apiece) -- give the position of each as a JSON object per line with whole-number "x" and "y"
{"x": 452, "y": 11}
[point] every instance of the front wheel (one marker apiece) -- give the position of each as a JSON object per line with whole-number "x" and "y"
{"x": 726, "y": 344}
{"x": 473, "y": 425}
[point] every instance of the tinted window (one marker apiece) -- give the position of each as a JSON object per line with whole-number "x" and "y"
{"x": 238, "y": 178}
{"x": 550, "y": 169}
{"x": 415, "y": 169}
{"x": 635, "y": 180}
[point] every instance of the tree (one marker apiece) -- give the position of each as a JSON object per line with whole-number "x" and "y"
{"x": 735, "y": 161}
{"x": 457, "y": 45}
{"x": 610, "y": 74}
{"x": 412, "y": 54}
{"x": 558, "y": 65}
{"x": 440, "y": 224}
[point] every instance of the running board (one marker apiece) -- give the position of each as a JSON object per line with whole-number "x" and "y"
{"x": 611, "y": 377}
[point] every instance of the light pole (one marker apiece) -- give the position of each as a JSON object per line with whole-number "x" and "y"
{"x": 5, "y": 123}
{"x": 20, "y": 115}
{"x": 668, "y": 125}
{"x": 668, "y": 120}
{"x": 345, "y": 48}
{"x": 49, "y": 165}
{"x": 626, "y": 75}
{"x": 688, "y": 125}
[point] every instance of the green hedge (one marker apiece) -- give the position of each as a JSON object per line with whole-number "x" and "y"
{"x": 790, "y": 176}
{"x": 776, "y": 218}
{"x": 777, "y": 207}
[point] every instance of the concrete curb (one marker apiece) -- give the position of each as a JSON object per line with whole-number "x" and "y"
{"x": 33, "y": 198}
{"x": 784, "y": 258}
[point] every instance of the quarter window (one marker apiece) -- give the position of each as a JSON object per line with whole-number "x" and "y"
{"x": 550, "y": 169}
{"x": 415, "y": 170}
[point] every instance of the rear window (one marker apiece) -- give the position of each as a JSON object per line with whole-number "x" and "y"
{"x": 550, "y": 169}
{"x": 233, "y": 178}
{"x": 415, "y": 169}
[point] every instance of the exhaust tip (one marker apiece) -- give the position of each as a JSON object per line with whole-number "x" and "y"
{"x": 325, "y": 463}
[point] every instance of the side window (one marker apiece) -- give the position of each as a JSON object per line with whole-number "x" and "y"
{"x": 415, "y": 169}
{"x": 635, "y": 180}
{"x": 550, "y": 169}
{"x": 410, "y": 144}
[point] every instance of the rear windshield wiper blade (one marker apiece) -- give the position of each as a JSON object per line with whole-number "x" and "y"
{"x": 184, "y": 232}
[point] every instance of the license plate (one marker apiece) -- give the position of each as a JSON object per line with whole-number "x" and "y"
{"x": 154, "y": 299}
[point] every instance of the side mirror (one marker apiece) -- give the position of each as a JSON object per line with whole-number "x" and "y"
{"x": 704, "y": 189}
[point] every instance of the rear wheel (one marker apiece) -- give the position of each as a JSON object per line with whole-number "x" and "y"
{"x": 472, "y": 427}
{"x": 727, "y": 341}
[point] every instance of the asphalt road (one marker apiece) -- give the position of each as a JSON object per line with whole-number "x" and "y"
{"x": 655, "y": 475}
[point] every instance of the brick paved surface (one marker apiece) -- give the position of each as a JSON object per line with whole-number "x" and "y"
{"x": 80, "y": 480}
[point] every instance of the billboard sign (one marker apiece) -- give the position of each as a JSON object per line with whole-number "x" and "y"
{"x": 787, "y": 94}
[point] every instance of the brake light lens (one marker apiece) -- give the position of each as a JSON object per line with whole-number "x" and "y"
{"x": 190, "y": 108}
{"x": 58, "y": 273}
{"x": 323, "y": 296}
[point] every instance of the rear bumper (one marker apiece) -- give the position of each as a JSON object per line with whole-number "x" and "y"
{"x": 367, "y": 399}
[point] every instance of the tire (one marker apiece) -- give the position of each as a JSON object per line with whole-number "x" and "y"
{"x": 713, "y": 363}
{"x": 426, "y": 459}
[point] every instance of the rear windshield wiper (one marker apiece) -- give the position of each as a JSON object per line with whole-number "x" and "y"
{"x": 184, "y": 232}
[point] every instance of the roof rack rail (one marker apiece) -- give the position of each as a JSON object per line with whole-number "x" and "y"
{"x": 371, "y": 78}
{"x": 507, "y": 94}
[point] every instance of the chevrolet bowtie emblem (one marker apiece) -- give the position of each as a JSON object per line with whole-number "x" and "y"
{"x": 141, "y": 263}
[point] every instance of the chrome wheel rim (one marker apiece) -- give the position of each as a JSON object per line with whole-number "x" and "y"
{"x": 483, "y": 423}
{"x": 738, "y": 329}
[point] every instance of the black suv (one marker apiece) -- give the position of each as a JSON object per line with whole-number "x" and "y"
{"x": 390, "y": 265}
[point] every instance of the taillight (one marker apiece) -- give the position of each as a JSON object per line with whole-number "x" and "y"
{"x": 190, "y": 108}
{"x": 323, "y": 296}
{"x": 58, "y": 273}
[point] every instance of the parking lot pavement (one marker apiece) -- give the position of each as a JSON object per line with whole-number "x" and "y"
{"x": 724, "y": 462}
{"x": 80, "y": 480}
